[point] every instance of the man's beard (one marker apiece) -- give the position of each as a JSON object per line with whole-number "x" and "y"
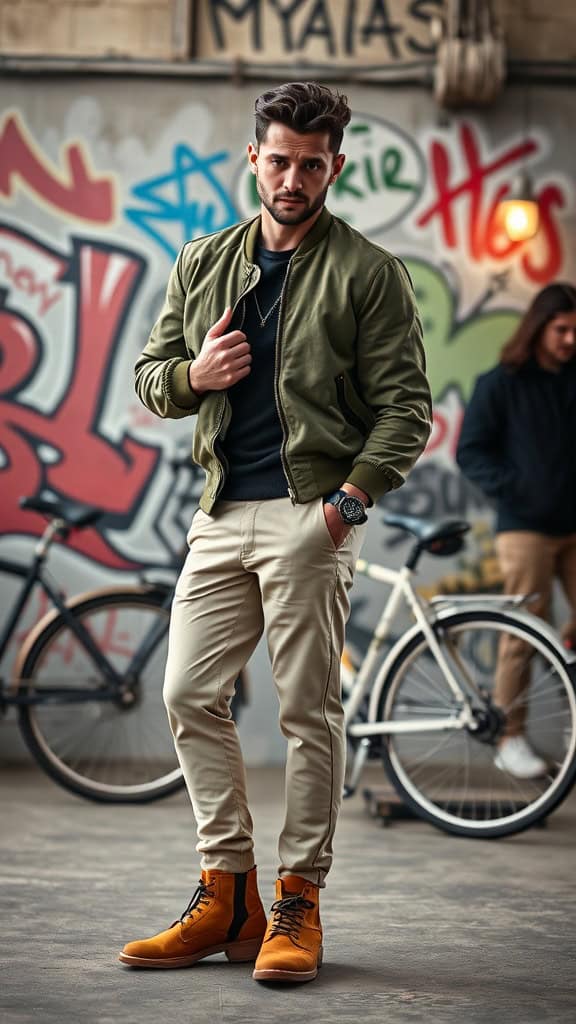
{"x": 300, "y": 214}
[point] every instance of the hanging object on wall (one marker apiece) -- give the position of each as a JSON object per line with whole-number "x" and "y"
{"x": 470, "y": 55}
{"x": 519, "y": 211}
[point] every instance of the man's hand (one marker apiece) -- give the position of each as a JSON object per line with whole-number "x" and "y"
{"x": 224, "y": 358}
{"x": 338, "y": 529}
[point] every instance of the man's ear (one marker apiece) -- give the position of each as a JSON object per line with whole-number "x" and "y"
{"x": 337, "y": 167}
{"x": 252, "y": 157}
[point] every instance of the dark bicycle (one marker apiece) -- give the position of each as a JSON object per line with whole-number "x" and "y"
{"x": 87, "y": 682}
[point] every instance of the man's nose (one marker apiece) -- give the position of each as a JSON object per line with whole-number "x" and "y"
{"x": 293, "y": 180}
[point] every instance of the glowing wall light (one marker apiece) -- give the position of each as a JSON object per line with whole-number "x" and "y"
{"x": 519, "y": 211}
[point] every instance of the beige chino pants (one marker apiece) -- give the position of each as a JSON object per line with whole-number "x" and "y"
{"x": 261, "y": 566}
{"x": 529, "y": 563}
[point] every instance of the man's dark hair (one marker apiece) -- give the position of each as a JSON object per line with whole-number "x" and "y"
{"x": 304, "y": 107}
{"x": 554, "y": 299}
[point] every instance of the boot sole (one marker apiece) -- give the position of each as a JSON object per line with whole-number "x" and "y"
{"x": 236, "y": 952}
{"x": 292, "y": 976}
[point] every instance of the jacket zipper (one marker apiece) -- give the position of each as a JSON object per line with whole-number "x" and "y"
{"x": 291, "y": 487}
{"x": 352, "y": 418}
{"x": 219, "y": 462}
{"x": 248, "y": 288}
{"x": 221, "y": 459}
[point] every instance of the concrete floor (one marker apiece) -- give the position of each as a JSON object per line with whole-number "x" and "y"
{"x": 419, "y": 926}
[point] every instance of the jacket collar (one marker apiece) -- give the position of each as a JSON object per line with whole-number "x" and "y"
{"x": 310, "y": 240}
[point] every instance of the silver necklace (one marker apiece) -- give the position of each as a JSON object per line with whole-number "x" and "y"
{"x": 264, "y": 317}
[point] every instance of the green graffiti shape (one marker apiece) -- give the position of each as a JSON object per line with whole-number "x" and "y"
{"x": 392, "y": 160}
{"x": 343, "y": 185}
{"x": 456, "y": 351}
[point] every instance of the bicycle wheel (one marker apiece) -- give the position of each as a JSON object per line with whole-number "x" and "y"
{"x": 105, "y": 750}
{"x": 449, "y": 776}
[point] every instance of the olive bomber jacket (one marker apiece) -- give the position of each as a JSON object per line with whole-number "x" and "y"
{"x": 350, "y": 383}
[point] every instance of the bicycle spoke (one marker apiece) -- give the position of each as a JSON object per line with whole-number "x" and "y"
{"x": 428, "y": 682}
{"x": 71, "y": 741}
{"x": 432, "y": 753}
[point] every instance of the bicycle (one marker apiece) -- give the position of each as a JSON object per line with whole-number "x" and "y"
{"x": 87, "y": 680}
{"x": 428, "y": 709}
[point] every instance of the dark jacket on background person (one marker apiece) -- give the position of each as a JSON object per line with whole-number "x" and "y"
{"x": 351, "y": 389}
{"x": 518, "y": 445}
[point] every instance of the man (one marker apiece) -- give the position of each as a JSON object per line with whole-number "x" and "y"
{"x": 517, "y": 445}
{"x": 297, "y": 343}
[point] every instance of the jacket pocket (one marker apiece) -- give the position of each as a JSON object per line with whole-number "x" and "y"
{"x": 350, "y": 415}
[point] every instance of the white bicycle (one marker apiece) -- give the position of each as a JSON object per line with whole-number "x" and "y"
{"x": 429, "y": 709}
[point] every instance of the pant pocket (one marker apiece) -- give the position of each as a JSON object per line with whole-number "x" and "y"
{"x": 346, "y": 539}
{"x": 198, "y": 519}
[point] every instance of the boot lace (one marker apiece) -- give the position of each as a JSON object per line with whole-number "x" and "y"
{"x": 200, "y": 899}
{"x": 288, "y": 916}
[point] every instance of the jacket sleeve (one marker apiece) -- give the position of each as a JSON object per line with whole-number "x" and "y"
{"x": 479, "y": 451}
{"x": 161, "y": 372}
{"x": 391, "y": 372}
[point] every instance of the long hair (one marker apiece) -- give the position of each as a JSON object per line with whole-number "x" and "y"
{"x": 553, "y": 299}
{"x": 305, "y": 107}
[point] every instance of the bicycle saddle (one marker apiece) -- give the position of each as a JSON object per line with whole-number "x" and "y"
{"x": 428, "y": 530}
{"x": 72, "y": 512}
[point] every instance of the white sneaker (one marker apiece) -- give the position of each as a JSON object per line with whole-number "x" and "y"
{"x": 516, "y": 757}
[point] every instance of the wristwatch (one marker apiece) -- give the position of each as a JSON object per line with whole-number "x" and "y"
{"x": 352, "y": 510}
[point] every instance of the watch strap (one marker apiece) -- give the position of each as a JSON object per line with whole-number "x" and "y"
{"x": 335, "y": 498}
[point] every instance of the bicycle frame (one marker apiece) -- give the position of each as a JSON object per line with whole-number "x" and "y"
{"x": 438, "y": 608}
{"x": 32, "y": 576}
{"x": 401, "y": 592}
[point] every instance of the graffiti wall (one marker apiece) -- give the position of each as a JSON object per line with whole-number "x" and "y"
{"x": 101, "y": 182}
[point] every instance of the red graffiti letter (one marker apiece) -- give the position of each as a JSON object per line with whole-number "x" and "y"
{"x": 75, "y": 192}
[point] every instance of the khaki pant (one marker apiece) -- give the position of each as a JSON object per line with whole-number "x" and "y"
{"x": 255, "y": 566}
{"x": 529, "y": 563}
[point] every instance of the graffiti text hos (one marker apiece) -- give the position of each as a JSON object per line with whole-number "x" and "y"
{"x": 463, "y": 176}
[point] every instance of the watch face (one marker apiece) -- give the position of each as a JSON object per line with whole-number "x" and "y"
{"x": 352, "y": 509}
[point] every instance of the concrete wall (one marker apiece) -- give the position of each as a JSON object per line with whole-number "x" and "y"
{"x": 108, "y": 28}
{"x": 102, "y": 180}
{"x": 392, "y": 32}
{"x": 536, "y": 30}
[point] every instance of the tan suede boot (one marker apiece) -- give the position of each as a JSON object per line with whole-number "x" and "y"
{"x": 292, "y": 947}
{"x": 225, "y": 915}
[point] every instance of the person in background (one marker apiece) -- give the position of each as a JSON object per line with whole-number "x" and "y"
{"x": 298, "y": 344}
{"x": 518, "y": 445}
